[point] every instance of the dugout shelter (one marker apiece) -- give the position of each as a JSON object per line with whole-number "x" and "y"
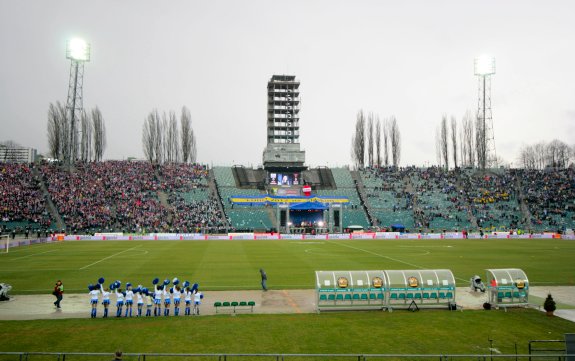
{"x": 508, "y": 287}
{"x": 384, "y": 289}
{"x": 422, "y": 288}
{"x": 350, "y": 289}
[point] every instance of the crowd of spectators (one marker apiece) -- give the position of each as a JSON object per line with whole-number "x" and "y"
{"x": 21, "y": 199}
{"x": 493, "y": 199}
{"x": 439, "y": 200}
{"x": 106, "y": 196}
{"x": 194, "y": 209}
{"x": 550, "y": 196}
{"x": 136, "y": 196}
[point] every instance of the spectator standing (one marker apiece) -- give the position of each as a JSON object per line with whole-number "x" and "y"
{"x": 58, "y": 292}
{"x": 264, "y": 279}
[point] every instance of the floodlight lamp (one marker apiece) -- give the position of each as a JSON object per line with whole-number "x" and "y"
{"x": 484, "y": 65}
{"x": 78, "y": 50}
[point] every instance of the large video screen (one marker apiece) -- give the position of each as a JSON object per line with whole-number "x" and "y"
{"x": 284, "y": 179}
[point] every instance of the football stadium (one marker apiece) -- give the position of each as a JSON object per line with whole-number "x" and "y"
{"x": 244, "y": 255}
{"x": 165, "y": 257}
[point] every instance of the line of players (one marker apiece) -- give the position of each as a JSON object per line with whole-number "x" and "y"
{"x": 151, "y": 299}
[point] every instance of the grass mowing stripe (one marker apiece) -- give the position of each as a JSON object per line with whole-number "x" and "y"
{"x": 114, "y": 255}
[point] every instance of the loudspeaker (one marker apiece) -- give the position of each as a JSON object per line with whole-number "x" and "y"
{"x": 336, "y": 218}
{"x": 283, "y": 217}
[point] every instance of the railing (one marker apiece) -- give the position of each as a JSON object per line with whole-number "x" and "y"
{"x": 547, "y": 350}
{"x": 62, "y": 356}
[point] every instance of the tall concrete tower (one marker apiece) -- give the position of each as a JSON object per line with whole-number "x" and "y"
{"x": 282, "y": 152}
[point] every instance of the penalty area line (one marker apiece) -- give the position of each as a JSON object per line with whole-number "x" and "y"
{"x": 114, "y": 255}
{"x": 32, "y": 255}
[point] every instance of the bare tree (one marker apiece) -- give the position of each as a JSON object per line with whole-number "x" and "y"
{"x": 165, "y": 139}
{"x": 558, "y": 154}
{"x": 454, "y": 140}
{"x": 438, "y": 153}
{"x": 188, "y": 140}
{"x": 395, "y": 137}
{"x": 358, "y": 141}
{"x": 378, "y": 141}
{"x": 99, "y": 129}
{"x": 444, "y": 142}
{"x": 149, "y": 137}
{"x": 54, "y": 130}
{"x": 65, "y": 151}
{"x": 86, "y": 137}
{"x": 159, "y": 139}
{"x": 370, "y": 139}
{"x": 468, "y": 140}
{"x": 386, "y": 142}
{"x": 481, "y": 143}
{"x": 174, "y": 138}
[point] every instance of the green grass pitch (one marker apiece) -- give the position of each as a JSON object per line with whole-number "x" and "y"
{"x": 220, "y": 265}
{"x": 224, "y": 265}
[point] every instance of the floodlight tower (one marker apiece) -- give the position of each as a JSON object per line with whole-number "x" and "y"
{"x": 484, "y": 68}
{"x": 78, "y": 51}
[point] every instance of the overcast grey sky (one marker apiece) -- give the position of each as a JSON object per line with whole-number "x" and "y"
{"x": 411, "y": 59}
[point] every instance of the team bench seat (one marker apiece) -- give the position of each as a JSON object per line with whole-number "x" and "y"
{"x": 233, "y": 305}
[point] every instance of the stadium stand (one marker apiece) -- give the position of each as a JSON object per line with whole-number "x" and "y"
{"x": 195, "y": 208}
{"x": 387, "y": 198}
{"x": 22, "y": 204}
{"x": 136, "y": 196}
{"x": 246, "y": 218}
{"x": 441, "y": 202}
{"x": 550, "y": 197}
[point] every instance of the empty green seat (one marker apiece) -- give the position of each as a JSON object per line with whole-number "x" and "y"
{"x": 243, "y": 303}
{"x": 226, "y": 304}
{"x": 355, "y": 296}
{"x": 347, "y": 297}
{"x": 393, "y": 296}
{"x": 402, "y": 296}
{"x": 410, "y": 295}
{"x": 364, "y": 296}
{"x": 217, "y": 304}
{"x": 426, "y": 295}
{"x": 418, "y": 295}
{"x": 507, "y": 294}
{"x": 323, "y": 297}
{"x": 516, "y": 294}
{"x": 372, "y": 296}
{"x": 441, "y": 294}
{"x": 433, "y": 295}
{"x": 331, "y": 297}
{"x": 339, "y": 297}
{"x": 380, "y": 296}
{"x": 449, "y": 294}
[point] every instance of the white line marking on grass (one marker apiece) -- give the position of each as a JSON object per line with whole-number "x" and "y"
{"x": 390, "y": 258}
{"x": 114, "y": 255}
{"x": 31, "y": 255}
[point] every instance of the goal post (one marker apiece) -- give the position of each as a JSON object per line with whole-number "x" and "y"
{"x": 4, "y": 243}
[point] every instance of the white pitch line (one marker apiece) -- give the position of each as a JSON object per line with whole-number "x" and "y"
{"x": 390, "y": 258}
{"x": 31, "y": 255}
{"x": 114, "y": 255}
{"x": 377, "y": 254}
